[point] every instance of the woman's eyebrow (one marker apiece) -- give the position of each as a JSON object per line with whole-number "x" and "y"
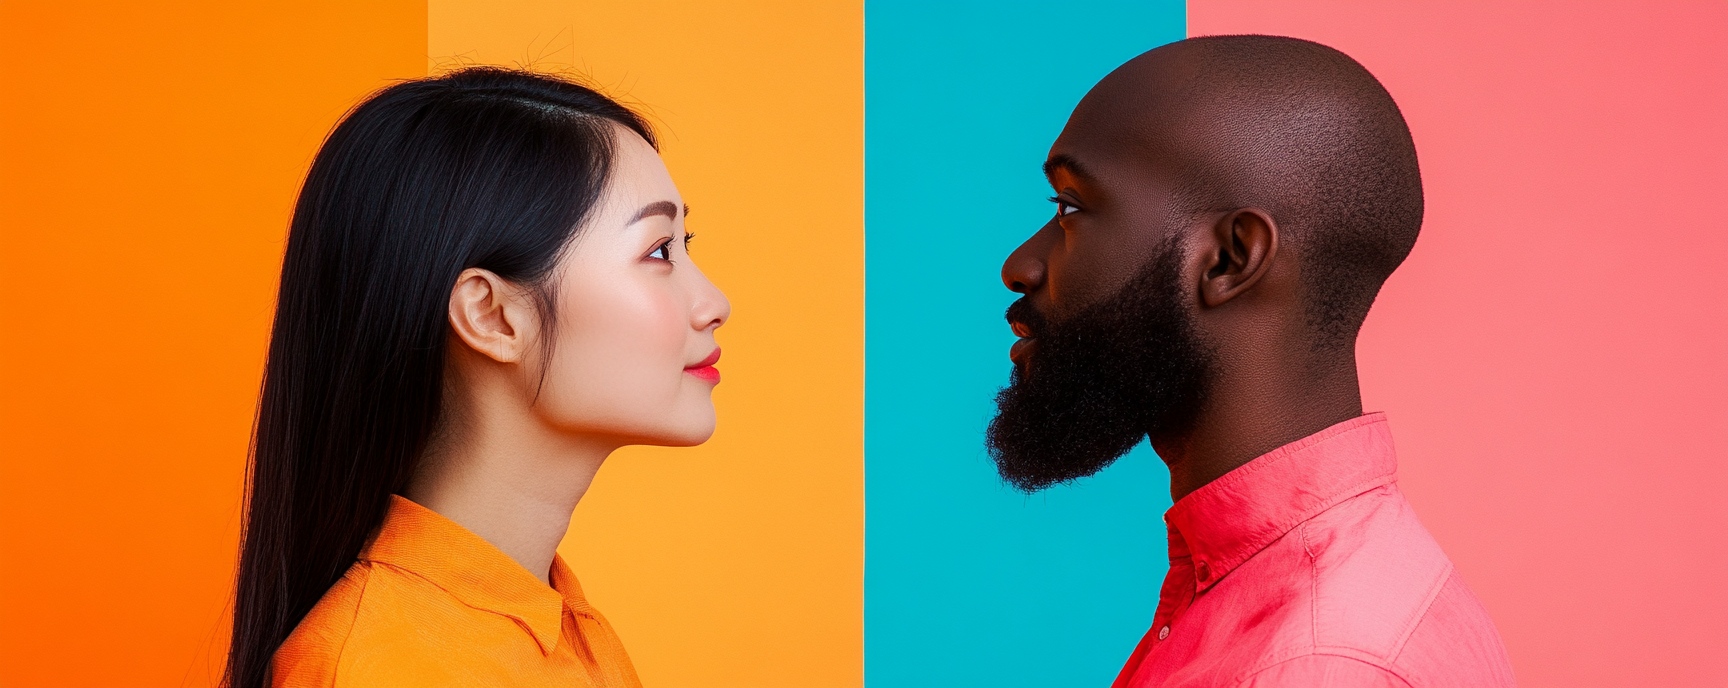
{"x": 666, "y": 208}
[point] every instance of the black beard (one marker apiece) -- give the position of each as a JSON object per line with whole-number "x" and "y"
{"x": 1100, "y": 380}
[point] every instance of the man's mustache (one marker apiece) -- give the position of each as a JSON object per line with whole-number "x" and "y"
{"x": 1025, "y": 316}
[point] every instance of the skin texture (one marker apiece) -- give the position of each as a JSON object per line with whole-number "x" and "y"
{"x": 522, "y": 436}
{"x": 1117, "y": 170}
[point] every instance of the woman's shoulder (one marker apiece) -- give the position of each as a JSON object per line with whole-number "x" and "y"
{"x": 381, "y": 625}
{"x": 310, "y": 654}
{"x": 368, "y": 617}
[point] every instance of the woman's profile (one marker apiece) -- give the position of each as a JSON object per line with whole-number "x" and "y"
{"x": 485, "y": 291}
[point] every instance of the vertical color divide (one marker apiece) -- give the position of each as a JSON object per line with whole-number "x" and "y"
{"x": 148, "y": 162}
{"x": 967, "y": 582}
{"x": 739, "y": 562}
{"x": 1553, "y": 356}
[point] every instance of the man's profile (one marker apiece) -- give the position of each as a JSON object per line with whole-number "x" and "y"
{"x": 1227, "y": 208}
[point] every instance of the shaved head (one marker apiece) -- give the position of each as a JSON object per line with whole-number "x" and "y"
{"x": 1227, "y": 208}
{"x": 1290, "y": 126}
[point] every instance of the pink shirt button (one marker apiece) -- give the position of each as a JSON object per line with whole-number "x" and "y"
{"x": 1163, "y": 632}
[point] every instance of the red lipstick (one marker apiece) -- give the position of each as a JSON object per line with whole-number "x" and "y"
{"x": 705, "y": 369}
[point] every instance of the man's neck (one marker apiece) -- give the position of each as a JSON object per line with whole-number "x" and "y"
{"x": 1254, "y": 410}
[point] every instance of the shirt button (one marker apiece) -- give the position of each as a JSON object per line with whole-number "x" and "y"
{"x": 1202, "y": 571}
{"x": 1163, "y": 632}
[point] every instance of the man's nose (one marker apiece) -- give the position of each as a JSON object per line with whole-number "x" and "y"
{"x": 1023, "y": 272}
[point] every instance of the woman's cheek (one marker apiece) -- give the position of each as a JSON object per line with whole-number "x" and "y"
{"x": 621, "y": 359}
{"x": 664, "y": 324}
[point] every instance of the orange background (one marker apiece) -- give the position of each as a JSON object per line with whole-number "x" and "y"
{"x": 148, "y": 163}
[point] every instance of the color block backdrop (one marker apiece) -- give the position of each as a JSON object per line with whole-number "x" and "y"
{"x": 968, "y": 582}
{"x": 149, "y": 157}
{"x": 1554, "y": 355}
{"x": 737, "y": 563}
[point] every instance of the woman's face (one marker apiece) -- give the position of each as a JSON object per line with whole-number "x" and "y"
{"x": 634, "y": 351}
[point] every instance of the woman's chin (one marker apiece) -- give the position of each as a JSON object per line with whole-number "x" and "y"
{"x": 679, "y": 440}
{"x": 690, "y": 433}
{"x": 697, "y": 435}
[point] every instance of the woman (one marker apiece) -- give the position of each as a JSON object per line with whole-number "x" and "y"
{"x": 486, "y": 291}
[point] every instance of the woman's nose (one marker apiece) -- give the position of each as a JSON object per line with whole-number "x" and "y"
{"x": 712, "y": 307}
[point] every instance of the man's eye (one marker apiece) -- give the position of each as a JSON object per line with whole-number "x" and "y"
{"x": 1062, "y": 207}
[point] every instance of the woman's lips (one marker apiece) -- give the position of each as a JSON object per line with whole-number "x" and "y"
{"x": 705, "y": 370}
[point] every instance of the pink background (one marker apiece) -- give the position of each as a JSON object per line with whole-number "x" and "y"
{"x": 1554, "y": 355}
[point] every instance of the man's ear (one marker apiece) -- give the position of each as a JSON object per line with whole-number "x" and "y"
{"x": 1241, "y": 245}
{"x": 491, "y": 315}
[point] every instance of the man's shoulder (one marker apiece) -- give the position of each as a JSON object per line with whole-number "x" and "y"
{"x": 1375, "y": 570}
{"x": 1383, "y": 588}
{"x": 1320, "y": 669}
{"x": 1455, "y": 642}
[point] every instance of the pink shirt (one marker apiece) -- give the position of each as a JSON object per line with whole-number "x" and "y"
{"x": 1306, "y": 567}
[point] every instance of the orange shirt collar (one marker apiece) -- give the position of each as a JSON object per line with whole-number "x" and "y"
{"x": 419, "y": 541}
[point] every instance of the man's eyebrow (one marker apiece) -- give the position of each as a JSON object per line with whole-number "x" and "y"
{"x": 658, "y": 208}
{"x": 1063, "y": 161}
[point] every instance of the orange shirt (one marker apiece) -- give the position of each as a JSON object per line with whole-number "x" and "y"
{"x": 430, "y": 603}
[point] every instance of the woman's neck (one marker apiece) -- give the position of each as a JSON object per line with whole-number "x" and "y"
{"x": 510, "y": 480}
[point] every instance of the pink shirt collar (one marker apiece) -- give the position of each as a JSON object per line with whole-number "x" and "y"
{"x": 1230, "y": 519}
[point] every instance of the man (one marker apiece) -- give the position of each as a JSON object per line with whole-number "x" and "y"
{"x": 1226, "y": 210}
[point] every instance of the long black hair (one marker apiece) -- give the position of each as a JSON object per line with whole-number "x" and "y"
{"x": 480, "y": 168}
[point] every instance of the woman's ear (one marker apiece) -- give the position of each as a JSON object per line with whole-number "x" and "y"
{"x": 1241, "y": 245}
{"x": 492, "y": 316}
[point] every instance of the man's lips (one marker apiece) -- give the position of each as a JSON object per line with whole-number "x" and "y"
{"x": 705, "y": 369}
{"x": 1022, "y": 349}
{"x": 1024, "y": 346}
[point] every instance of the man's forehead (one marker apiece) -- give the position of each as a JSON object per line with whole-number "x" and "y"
{"x": 1147, "y": 81}
{"x": 1106, "y": 160}
{"x": 1141, "y": 107}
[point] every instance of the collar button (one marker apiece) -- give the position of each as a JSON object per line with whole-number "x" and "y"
{"x": 1202, "y": 572}
{"x": 1163, "y": 632}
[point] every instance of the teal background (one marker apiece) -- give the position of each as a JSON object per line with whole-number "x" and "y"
{"x": 966, "y": 581}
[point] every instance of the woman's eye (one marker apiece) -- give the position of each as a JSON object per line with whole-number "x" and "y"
{"x": 663, "y": 252}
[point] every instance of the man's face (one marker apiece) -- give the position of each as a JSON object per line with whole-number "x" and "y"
{"x": 1108, "y": 222}
{"x": 1108, "y": 351}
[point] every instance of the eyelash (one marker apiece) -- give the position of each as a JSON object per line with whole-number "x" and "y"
{"x": 666, "y": 247}
{"x": 1060, "y": 204}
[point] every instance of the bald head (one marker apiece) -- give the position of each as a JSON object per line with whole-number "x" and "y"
{"x": 1288, "y": 126}
{"x": 1226, "y": 210}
